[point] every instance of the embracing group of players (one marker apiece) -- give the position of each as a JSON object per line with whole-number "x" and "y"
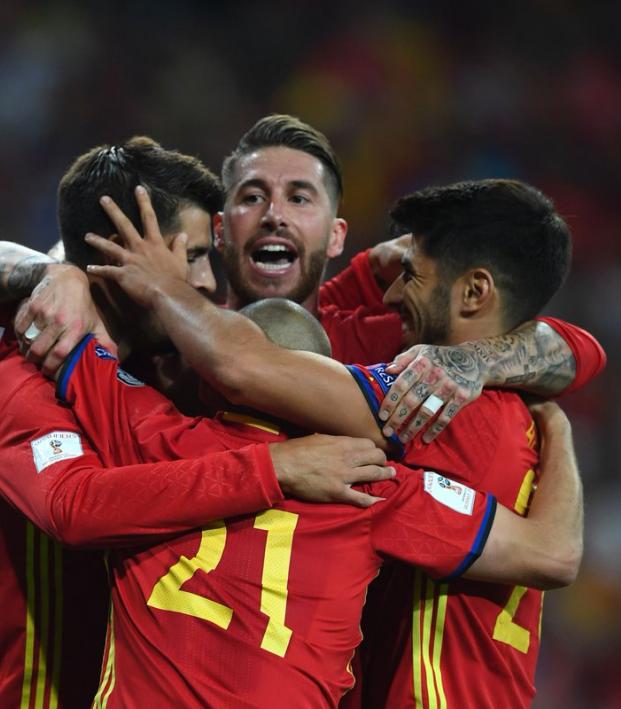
{"x": 150, "y": 558}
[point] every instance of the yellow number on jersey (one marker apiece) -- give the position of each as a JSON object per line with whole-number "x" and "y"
{"x": 505, "y": 630}
{"x": 167, "y": 594}
{"x": 280, "y": 527}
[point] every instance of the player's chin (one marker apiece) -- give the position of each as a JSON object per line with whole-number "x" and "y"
{"x": 276, "y": 285}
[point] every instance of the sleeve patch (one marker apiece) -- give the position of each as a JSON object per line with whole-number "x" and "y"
{"x": 54, "y": 447}
{"x": 447, "y": 492}
{"x": 375, "y": 382}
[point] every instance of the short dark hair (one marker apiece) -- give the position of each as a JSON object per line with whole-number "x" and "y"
{"x": 280, "y": 130}
{"x": 507, "y": 226}
{"x": 173, "y": 180}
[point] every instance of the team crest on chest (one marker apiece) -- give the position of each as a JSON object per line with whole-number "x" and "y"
{"x": 128, "y": 379}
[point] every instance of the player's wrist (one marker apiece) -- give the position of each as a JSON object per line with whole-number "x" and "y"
{"x": 551, "y": 420}
{"x": 162, "y": 290}
{"x": 67, "y": 271}
{"x": 282, "y": 469}
{"x": 26, "y": 275}
{"x": 481, "y": 353}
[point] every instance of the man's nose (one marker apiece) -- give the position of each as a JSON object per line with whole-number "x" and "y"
{"x": 275, "y": 215}
{"x": 201, "y": 276}
{"x": 394, "y": 294}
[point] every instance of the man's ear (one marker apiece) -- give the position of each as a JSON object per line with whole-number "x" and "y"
{"x": 477, "y": 291}
{"x": 218, "y": 231}
{"x": 336, "y": 241}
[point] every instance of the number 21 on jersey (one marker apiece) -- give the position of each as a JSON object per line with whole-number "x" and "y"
{"x": 168, "y": 595}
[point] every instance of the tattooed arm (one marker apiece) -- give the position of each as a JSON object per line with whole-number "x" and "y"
{"x": 21, "y": 269}
{"x": 533, "y": 358}
{"x": 59, "y": 303}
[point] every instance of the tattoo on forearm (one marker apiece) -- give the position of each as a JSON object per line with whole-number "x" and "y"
{"x": 534, "y": 357}
{"x": 18, "y": 280}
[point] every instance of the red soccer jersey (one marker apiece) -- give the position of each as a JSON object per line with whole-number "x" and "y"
{"x": 353, "y": 296}
{"x": 360, "y": 328}
{"x": 259, "y": 610}
{"x": 365, "y": 335}
{"x": 55, "y": 600}
{"x": 458, "y": 643}
{"x": 354, "y": 286}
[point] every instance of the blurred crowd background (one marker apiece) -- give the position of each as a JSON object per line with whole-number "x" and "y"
{"x": 410, "y": 93}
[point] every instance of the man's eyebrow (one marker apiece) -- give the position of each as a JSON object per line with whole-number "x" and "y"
{"x": 262, "y": 184}
{"x": 304, "y": 185}
{"x": 252, "y": 182}
{"x": 198, "y": 250}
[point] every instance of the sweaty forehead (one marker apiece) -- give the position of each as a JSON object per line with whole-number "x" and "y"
{"x": 196, "y": 223}
{"x": 279, "y": 166}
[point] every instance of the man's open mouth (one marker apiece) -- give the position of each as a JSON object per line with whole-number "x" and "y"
{"x": 273, "y": 257}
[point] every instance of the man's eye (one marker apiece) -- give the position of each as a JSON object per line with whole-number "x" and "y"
{"x": 407, "y": 276}
{"x": 300, "y": 199}
{"x": 253, "y": 198}
{"x": 193, "y": 256}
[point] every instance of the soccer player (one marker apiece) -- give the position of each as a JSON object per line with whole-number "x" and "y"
{"x": 52, "y": 630}
{"x": 496, "y": 223}
{"x": 281, "y": 138}
{"x": 264, "y": 610}
{"x": 278, "y": 227}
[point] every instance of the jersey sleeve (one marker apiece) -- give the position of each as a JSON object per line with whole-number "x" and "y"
{"x": 588, "y": 353}
{"x": 53, "y": 471}
{"x": 50, "y": 471}
{"x": 374, "y": 382}
{"x": 131, "y": 421}
{"x": 363, "y": 335}
{"x": 431, "y": 521}
{"x": 355, "y": 285}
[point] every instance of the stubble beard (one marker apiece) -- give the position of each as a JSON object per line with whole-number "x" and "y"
{"x": 437, "y": 328}
{"x": 311, "y": 273}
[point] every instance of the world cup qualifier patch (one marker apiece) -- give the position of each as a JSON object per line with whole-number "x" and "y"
{"x": 54, "y": 447}
{"x": 457, "y": 496}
